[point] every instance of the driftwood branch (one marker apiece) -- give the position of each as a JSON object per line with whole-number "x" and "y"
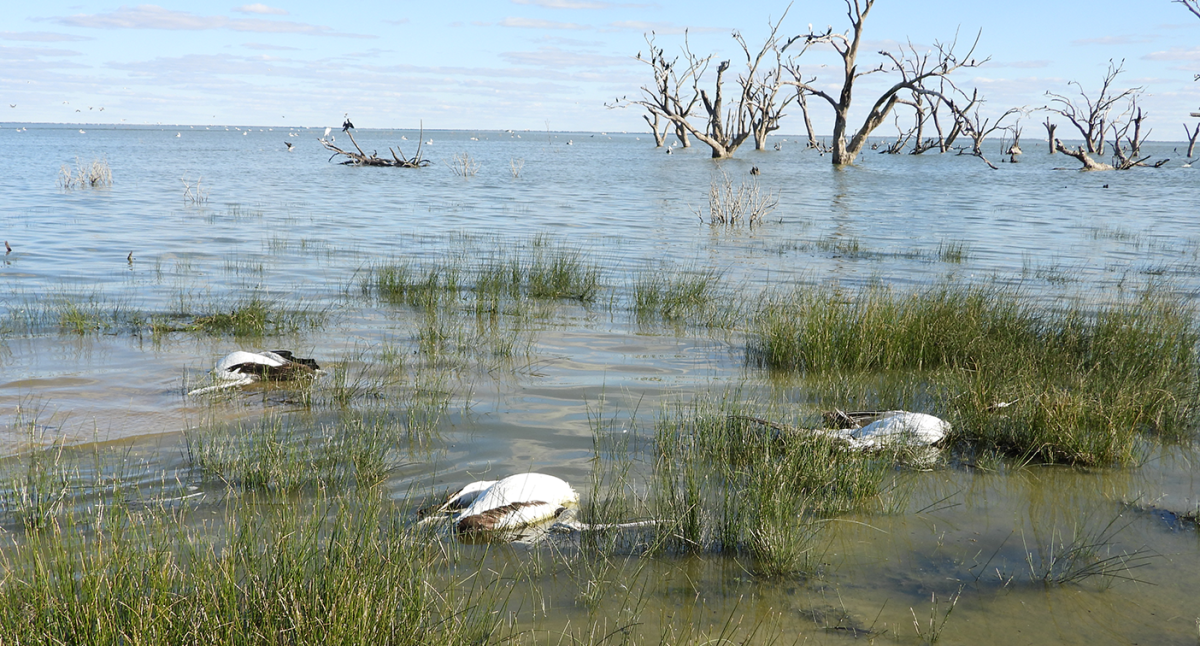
{"x": 361, "y": 158}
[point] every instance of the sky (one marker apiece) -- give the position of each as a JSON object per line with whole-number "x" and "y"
{"x": 540, "y": 64}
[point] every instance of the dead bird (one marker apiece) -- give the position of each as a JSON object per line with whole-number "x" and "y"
{"x": 512, "y": 503}
{"x": 241, "y": 368}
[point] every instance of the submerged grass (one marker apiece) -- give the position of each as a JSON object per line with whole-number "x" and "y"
{"x": 287, "y": 453}
{"x": 727, "y": 483}
{"x": 253, "y": 316}
{"x": 343, "y": 569}
{"x": 1049, "y": 385}
{"x": 688, "y": 297}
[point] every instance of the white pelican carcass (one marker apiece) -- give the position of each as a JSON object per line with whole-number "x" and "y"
{"x": 512, "y": 503}
{"x": 893, "y": 428}
{"x": 241, "y": 368}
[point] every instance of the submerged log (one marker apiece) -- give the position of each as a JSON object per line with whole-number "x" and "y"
{"x": 361, "y": 158}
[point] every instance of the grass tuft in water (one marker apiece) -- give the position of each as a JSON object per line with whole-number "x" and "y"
{"x": 340, "y": 569}
{"x": 255, "y": 316}
{"x": 1046, "y": 385}
{"x": 726, "y": 483}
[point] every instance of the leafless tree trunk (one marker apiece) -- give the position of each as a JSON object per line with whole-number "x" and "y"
{"x": 812, "y": 139}
{"x": 659, "y": 136}
{"x": 1091, "y": 116}
{"x": 1050, "y": 128}
{"x": 1191, "y": 135}
{"x": 914, "y": 70}
{"x": 1192, "y": 6}
{"x": 1082, "y": 156}
{"x": 682, "y": 136}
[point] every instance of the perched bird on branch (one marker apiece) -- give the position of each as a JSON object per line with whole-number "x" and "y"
{"x": 346, "y": 125}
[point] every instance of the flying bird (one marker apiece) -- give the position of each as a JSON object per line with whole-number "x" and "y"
{"x": 12, "y": 105}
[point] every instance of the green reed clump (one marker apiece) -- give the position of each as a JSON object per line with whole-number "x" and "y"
{"x": 728, "y": 482}
{"x": 255, "y": 317}
{"x": 404, "y": 284}
{"x": 1052, "y": 385}
{"x": 290, "y": 453}
{"x": 561, "y": 273}
{"x": 673, "y": 297}
{"x": 39, "y": 481}
{"x": 337, "y": 570}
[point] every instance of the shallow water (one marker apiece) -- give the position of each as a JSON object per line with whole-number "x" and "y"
{"x": 294, "y": 227}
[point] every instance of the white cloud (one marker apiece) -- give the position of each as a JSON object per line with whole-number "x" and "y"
{"x": 261, "y": 9}
{"x": 148, "y": 16}
{"x": 1113, "y": 40}
{"x": 554, "y": 57}
{"x": 567, "y": 4}
{"x": 39, "y": 36}
{"x": 31, "y": 53}
{"x": 660, "y": 27}
{"x": 1021, "y": 65}
{"x": 534, "y": 23}
{"x": 264, "y": 46}
{"x": 1175, "y": 54}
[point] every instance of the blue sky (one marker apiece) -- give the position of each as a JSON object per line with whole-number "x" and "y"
{"x": 531, "y": 64}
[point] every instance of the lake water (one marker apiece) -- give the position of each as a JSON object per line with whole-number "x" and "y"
{"x": 296, "y": 228}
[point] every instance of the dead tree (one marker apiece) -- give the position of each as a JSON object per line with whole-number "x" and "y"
{"x": 724, "y": 128}
{"x": 1191, "y": 137}
{"x": 760, "y": 87}
{"x": 663, "y": 100}
{"x": 1127, "y": 146}
{"x": 1091, "y": 116}
{"x": 660, "y": 137}
{"x": 1050, "y": 128}
{"x": 1081, "y": 154}
{"x": 914, "y": 70}
{"x": 1192, "y": 6}
{"x": 808, "y": 127}
{"x": 363, "y": 159}
{"x": 977, "y": 127}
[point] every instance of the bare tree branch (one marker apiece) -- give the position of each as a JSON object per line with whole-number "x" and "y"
{"x": 1091, "y": 116}
{"x": 913, "y": 68}
{"x": 1192, "y": 6}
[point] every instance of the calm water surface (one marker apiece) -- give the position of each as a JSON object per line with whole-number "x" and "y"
{"x": 296, "y": 228}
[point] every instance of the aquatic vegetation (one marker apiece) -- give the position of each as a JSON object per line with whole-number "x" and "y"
{"x": 726, "y": 483}
{"x": 675, "y": 296}
{"x": 463, "y": 165}
{"x": 253, "y": 316}
{"x": 39, "y": 484}
{"x": 1089, "y": 550}
{"x": 346, "y": 569}
{"x": 953, "y": 251}
{"x": 1075, "y": 386}
{"x": 730, "y": 205}
{"x": 932, "y": 630}
{"x": 292, "y": 452}
{"x": 93, "y": 174}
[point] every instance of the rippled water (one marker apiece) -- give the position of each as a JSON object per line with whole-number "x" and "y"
{"x": 294, "y": 226}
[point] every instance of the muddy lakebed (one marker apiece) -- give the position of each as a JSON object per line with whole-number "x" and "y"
{"x": 565, "y": 310}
